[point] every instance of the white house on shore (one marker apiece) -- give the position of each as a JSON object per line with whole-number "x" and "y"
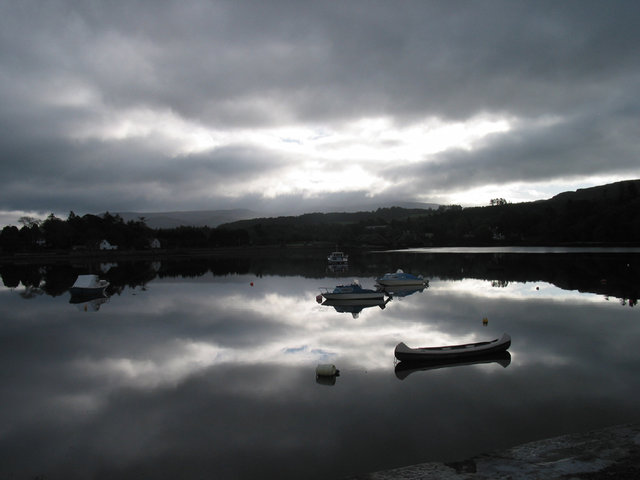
{"x": 155, "y": 243}
{"x": 105, "y": 245}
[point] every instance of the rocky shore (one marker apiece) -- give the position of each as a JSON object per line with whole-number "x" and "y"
{"x": 609, "y": 453}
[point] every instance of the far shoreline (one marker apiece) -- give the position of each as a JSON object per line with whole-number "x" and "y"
{"x": 53, "y": 256}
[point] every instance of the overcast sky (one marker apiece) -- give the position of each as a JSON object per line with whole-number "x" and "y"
{"x": 195, "y": 105}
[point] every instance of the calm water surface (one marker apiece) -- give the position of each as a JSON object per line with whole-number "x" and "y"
{"x": 205, "y": 368}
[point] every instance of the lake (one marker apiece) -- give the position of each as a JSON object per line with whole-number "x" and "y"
{"x": 204, "y": 367}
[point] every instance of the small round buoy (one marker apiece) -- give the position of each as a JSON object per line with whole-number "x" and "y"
{"x": 251, "y": 284}
{"x": 327, "y": 370}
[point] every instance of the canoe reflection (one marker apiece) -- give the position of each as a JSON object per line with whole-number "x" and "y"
{"x": 354, "y": 307}
{"x": 404, "y": 369}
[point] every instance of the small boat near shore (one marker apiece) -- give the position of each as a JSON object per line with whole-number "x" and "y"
{"x": 88, "y": 285}
{"x": 352, "y": 291}
{"x": 468, "y": 350}
{"x": 399, "y": 278}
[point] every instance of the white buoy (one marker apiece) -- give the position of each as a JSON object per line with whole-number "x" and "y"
{"x": 327, "y": 370}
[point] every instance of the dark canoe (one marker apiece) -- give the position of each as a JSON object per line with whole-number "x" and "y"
{"x": 468, "y": 350}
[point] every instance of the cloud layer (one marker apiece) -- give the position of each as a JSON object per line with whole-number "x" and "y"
{"x": 156, "y": 106}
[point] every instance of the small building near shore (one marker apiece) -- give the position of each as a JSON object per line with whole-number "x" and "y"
{"x": 105, "y": 245}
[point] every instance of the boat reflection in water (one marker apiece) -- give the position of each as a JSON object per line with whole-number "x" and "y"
{"x": 401, "y": 278}
{"x": 404, "y": 369}
{"x": 338, "y": 267}
{"x": 355, "y": 306}
{"x": 89, "y": 302}
{"x": 403, "y": 291}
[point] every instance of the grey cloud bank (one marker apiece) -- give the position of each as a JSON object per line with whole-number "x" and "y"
{"x": 159, "y": 106}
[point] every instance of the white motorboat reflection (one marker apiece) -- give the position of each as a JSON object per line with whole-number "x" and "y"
{"x": 92, "y": 305}
{"x": 89, "y": 301}
{"x": 337, "y": 257}
{"x": 338, "y": 267}
{"x": 403, "y": 291}
{"x": 404, "y": 369}
{"x": 355, "y": 306}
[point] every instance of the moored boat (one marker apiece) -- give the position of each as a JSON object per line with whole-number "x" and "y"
{"x": 400, "y": 278}
{"x": 352, "y": 291}
{"x": 405, "y": 353}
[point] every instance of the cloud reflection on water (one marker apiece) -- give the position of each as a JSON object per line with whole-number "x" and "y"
{"x": 187, "y": 377}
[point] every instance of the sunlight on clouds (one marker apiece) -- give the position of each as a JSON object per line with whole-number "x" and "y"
{"x": 380, "y": 140}
{"x": 325, "y": 160}
{"x": 177, "y": 135}
{"x": 321, "y": 158}
{"x": 343, "y": 179}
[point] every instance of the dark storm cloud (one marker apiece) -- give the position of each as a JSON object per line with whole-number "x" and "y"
{"x": 67, "y": 67}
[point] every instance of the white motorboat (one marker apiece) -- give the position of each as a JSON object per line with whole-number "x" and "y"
{"x": 352, "y": 291}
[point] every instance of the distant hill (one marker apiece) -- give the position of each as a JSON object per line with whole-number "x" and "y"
{"x": 605, "y": 214}
{"x": 372, "y": 218}
{"x": 203, "y": 218}
{"x": 606, "y": 194}
{"x": 366, "y": 207}
{"x": 602, "y": 214}
{"x": 214, "y": 218}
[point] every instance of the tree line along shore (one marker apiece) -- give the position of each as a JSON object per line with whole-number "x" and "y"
{"x": 605, "y": 215}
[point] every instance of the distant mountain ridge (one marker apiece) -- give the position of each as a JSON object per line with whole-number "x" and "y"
{"x": 214, "y": 218}
{"x": 197, "y": 218}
